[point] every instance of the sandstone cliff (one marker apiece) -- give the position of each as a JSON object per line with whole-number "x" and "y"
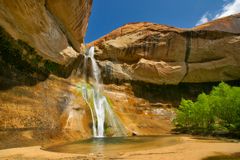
{"x": 37, "y": 38}
{"x": 228, "y": 24}
{"x": 162, "y": 54}
{"x": 54, "y": 28}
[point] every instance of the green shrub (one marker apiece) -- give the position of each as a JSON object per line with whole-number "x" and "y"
{"x": 218, "y": 111}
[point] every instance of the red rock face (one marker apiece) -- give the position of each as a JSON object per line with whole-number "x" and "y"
{"x": 228, "y": 24}
{"x": 36, "y": 35}
{"x": 47, "y": 25}
{"x": 142, "y": 52}
{"x": 161, "y": 54}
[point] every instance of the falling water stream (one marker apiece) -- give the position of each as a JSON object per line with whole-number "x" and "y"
{"x": 101, "y": 110}
{"x": 102, "y": 116}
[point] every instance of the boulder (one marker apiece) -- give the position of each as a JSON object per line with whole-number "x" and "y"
{"x": 146, "y": 71}
{"x": 158, "y": 72}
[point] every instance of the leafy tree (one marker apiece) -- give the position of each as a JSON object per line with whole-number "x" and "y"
{"x": 218, "y": 111}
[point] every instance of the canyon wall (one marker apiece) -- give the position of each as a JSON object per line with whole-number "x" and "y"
{"x": 54, "y": 28}
{"x": 162, "y": 55}
{"x": 147, "y": 68}
{"x": 40, "y": 42}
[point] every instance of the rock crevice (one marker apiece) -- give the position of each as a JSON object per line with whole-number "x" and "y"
{"x": 187, "y": 51}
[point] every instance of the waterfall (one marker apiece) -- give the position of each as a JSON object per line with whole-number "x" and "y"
{"x": 95, "y": 69}
{"x": 98, "y": 104}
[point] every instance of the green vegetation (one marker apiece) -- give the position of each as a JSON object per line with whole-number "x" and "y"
{"x": 217, "y": 113}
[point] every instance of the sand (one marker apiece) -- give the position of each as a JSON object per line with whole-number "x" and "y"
{"x": 190, "y": 148}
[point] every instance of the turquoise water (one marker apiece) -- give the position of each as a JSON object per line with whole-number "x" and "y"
{"x": 113, "y": 145}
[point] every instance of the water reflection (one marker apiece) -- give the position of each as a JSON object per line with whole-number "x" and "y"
{"x": 113, "y": 145}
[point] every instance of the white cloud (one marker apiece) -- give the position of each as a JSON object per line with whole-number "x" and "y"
{"x": 230, "y": 8}
{"x": 204, "y": 19}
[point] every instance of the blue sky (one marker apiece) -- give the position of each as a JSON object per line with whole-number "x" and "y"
{"x": 108, "y": 15}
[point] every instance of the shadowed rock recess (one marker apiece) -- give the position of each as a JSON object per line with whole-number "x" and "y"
{"x": 146, "y": 69}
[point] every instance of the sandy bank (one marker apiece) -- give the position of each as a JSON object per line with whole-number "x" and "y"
{"x": 190, "y": 149}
